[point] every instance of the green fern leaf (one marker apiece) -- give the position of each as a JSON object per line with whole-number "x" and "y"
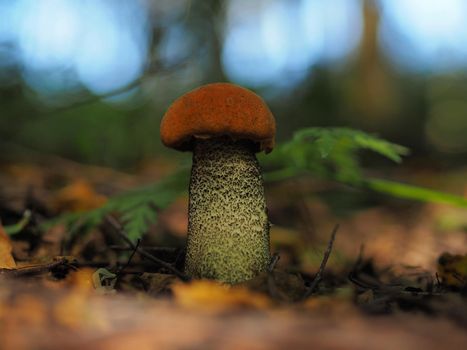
{"x": 330, "y": 153}
{"x": 137, "y": 208}
{"x": 136, "y": 222}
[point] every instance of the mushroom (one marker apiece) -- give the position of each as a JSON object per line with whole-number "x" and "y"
{"x": 224, "y": 125}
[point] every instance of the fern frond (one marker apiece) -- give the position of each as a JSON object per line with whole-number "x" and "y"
{"x": 137, "y": 208}
{"x": 331, "y": 153}
{"x": 327, "y": 138}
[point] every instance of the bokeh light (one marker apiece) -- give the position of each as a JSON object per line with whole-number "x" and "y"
{"x": 176, "y": 44}
{"x": 276, "y": 42}
{"x": 425, "y": 35}
{"x": 63, "y": 43}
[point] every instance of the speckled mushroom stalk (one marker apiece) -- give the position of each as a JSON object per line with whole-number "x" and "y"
{"x": 228, "y": 228}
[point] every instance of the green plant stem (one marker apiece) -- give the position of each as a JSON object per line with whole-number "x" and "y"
{"x": 401, "y": 190}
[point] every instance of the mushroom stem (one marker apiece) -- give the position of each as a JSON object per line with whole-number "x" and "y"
{"x": 228, "y": 227}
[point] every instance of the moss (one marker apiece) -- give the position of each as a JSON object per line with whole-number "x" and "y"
{"x": 228, "y": 230}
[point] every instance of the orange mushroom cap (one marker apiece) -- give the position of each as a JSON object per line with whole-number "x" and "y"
{"x": 217, "y": 110}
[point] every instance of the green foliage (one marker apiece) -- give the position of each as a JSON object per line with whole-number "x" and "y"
{"x": 137, "y": 208}
{"x": 329, "y": 153}
{"x": 20, "y": 225}
{"x": 400, "y": 190}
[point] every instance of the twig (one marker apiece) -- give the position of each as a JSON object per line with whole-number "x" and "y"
{"x": 36, "y": 269}
{"x": 438, "y": 282}
{"x": 119, "y": 272}
{"x": 272, "y": 287}
{"x": 274, "y": 260}
{"x": 180, "y": 255}
{"x": 390, "y": 290}
{"x": 319, "y": 275}
{"x": 169, "y": 250}
{"x": 96, "y": 264}
{"x": 121, "y": 232}
{"x": 359, "y": 261}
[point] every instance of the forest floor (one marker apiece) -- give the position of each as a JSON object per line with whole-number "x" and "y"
{"x": 396, "y": 277}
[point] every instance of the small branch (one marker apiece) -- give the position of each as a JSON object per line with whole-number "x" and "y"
{"x": 106, "y": 264}
{"x": 319, "y": 275}
{"x": 119, "y": 272}
{"x": 36, "y": 269}
{"x": 121, "y": 232}
{"x": 168, "y": 250}
{"x": 272, "y": 287}
{"x": 274, "y": 260}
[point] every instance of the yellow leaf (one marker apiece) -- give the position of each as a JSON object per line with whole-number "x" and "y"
{"x": 82, "y": 279}
{"x": 74, "y": 311}
{"x": 28, "y": 310}
{"x": 78, "y": 196}
{"x": 213, "y": 296}
{"x": 6, "y": 259}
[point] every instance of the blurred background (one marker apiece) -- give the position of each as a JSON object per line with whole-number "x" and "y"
{"x": 89, "y": 80}
{"x": 85, "y": 83}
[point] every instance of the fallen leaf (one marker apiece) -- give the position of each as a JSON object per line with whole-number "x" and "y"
{"x": 331, "y": 306}
{"x": 6, "y": 259}
{"x": 78, "y": 196}
{"x": 82, "y": 279}
{"x": 158, "y": 283}
{"x": 213, "y": 296}
{"x": 29, "y": 310}
{"x": 452, "y": 269}
{"x": 104, "y": 281}
{"x": 280, "y": 285}
{"x": 73, "y": 311}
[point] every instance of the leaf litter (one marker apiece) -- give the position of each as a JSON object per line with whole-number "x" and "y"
{"x": 91, "y": 287}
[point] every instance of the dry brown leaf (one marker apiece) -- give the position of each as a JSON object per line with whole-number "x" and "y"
{"x": 64, "y": 319}
{"x": 28, "y": 310}
{"x": 280, "y": 285}
{"x": 6, "y": 258}
{"x": 330, "y": 306}
{"x": 24, "y": 174}
{"x": 157, "y": 283}
{"x": 452, "y": 269}
{"x": 52, "y": 240}
{"x": 73, "y": 311}
{"x": 78, "y": 196}
{"x": 213, "y": 296}
{"x": 81, "y": 279}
